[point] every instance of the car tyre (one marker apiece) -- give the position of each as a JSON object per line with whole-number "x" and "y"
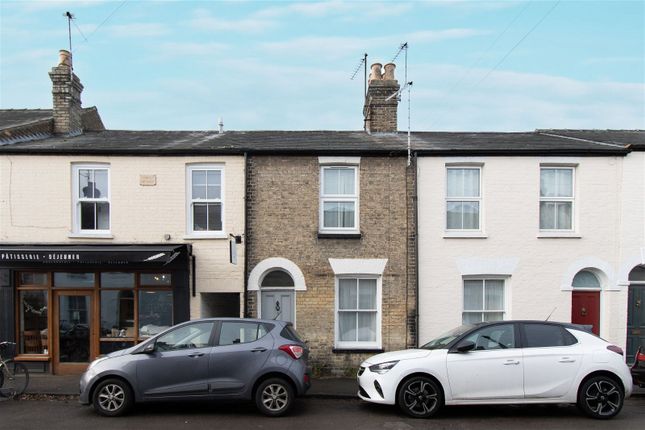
{"x": 601, "y": 397}
{"x": 420, "y": 397}
{"x": 113, "y": 397}
{"x": 274, "y": 397}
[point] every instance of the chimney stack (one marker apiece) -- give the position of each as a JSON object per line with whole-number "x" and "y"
{"x": 378, "y": 112}
{"x": 66, "y": 92}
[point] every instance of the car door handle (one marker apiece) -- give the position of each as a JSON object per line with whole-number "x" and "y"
{"x": 260, "y": 349}
{"x": 567, "y": 360}
{"x": 511, "y": 362}
{"x": 196, "y": 354}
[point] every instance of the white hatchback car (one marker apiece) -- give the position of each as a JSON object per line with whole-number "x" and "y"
{"x": 504, "y": 362}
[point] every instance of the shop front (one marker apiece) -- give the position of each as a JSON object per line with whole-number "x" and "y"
{"x": 65, "y": 305}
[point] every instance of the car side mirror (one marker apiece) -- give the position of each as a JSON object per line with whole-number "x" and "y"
{"x": 465, "y": 346}
{"x": 149, "y": 348}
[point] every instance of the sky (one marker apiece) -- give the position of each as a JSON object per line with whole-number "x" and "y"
{"x": 279, "y": 65}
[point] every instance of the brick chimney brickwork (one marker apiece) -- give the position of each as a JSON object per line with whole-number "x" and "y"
{"x": 381, "y": 114}
{"x": 66, "y": 92}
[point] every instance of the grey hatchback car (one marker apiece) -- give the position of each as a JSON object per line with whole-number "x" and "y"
{"x": 215, "y": 358}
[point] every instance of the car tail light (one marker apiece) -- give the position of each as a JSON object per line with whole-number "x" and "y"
{"x": 295, "y": 351}
{"x": 615, "y": 349}
{"x": 640, "y": 356}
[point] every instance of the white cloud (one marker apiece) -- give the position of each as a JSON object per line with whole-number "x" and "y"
{"x": 137, "y": 29}
{"x": 203, "y": 20}
{"x": 177, "y": 50}
{"x": 509, "y": 100}
{"x": 338, "y": 47}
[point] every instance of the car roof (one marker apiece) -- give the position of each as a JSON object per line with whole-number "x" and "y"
{"x": 580, "y": 327}
{"x": 278, "y": 322}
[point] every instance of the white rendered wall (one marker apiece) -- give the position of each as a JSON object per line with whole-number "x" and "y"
{"x": 36, "y": 207}
{"x": 539, "y": 270}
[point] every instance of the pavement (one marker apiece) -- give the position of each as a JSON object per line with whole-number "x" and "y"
{"x": 340, "y": 388}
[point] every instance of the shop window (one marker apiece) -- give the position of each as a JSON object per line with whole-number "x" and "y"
{"x": 34, "y": 278}
{"x": 73, "y": 280}
{"x": 117, "y": 314}
{"x": 156, "y": 279}
{"x": 117, "y": 280}
{"x": 155, "y": 312}
{"x": 33, "y": 322}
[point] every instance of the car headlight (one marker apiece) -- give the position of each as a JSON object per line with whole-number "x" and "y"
{"x": 383, "y": 367}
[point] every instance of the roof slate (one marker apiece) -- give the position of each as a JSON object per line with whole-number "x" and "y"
{"x": 301, "y": 142}
{"x": 17, "y": 117}
{"x": 636, "y": 138}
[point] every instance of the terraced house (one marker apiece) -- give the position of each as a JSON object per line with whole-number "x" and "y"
{"x": 108, "y": 237}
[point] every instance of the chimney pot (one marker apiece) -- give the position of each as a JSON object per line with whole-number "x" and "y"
{"x": 389, "y": 72}
{"x": 375, "y": 73}
{"x": 64, "y": 58}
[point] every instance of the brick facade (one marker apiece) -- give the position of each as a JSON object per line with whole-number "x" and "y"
{"x": 282, "y": 221}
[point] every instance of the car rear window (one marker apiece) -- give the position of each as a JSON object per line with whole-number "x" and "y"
{"x": 288, "y": 332}
{"x": 545, "y": 335}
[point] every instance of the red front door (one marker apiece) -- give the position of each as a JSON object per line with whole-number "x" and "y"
{"x": 585, "y": 309}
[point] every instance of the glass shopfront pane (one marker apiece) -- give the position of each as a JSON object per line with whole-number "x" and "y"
{"x": 108, "y": 347}
{"x": 33, "y": 322}
{"x": 74, "y": 329}
{"x": 33, "y": 278}
{"x": 155, "y": 312}
{"x": 73, "y": 280}
{"x": 117, "y": 313}
{"x": 156, "y": 279}
{"x": 117, "y": 280}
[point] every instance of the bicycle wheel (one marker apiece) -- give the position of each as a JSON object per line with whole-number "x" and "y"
{"x": 14, "y": 379}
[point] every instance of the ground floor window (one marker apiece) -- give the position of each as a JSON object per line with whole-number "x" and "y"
{"x": 33, "y": 322}
{"x": 483, "y": 300}
{"x": 358, "y": 312}
{"x": 57, "y": 309}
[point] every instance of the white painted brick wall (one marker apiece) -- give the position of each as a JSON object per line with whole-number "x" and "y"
{"x": 36, "y": 207}
{"x": 510, "y": 219}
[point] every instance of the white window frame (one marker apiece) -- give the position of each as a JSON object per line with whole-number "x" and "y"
{"x": 478, "y": 199}
{"x": 353, "y": 198}
{"x": 571, "y": 199}
{"x": 338, "y": 344}
{"x": 77, "y": 200}
{"x": 505, "y": 300}
{"x": 219, "y": 234}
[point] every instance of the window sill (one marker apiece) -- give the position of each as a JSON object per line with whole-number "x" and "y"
{"x": 206, "y": 236}
{"x": 357, "y": 350}
{"x": 558, "y": 235}
{"x": 90, "y": 236}
{"x": 464, "y": 235}
{"x": 322, "y": 235}
{"x": 31, "y": 357}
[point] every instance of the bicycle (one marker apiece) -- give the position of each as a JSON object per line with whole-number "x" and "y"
{"x": 14, "y": 377}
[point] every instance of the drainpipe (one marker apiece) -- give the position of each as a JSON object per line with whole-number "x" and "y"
{"x": 246, "y": 238}
{"x": 416, "y": 252}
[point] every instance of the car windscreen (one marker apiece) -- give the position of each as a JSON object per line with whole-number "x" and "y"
{"x": 444, "y": 340}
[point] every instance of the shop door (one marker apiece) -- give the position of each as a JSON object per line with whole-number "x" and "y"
{"x": 278, "y": 305}
{"x": 635, "y": 320}
{"x": 585, "y": 309}
{"x": 73, "y": 331}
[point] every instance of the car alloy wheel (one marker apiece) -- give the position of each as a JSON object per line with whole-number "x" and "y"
{"x": 420, "y": 397}
{"x": 273, "y": 397}
{"x": 112, "y": 397}
{"x": 601, "y": 397}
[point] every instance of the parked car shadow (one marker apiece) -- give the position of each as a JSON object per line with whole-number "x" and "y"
{"x": 205, "y": 407}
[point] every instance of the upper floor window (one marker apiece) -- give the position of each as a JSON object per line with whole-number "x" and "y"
{"x": 339, "y": 199}
{"x": 205, "y": 202}
{"x": 556, "y": 198}
{"x": 91, "y": 198}
{"x": 463, "y": 198}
